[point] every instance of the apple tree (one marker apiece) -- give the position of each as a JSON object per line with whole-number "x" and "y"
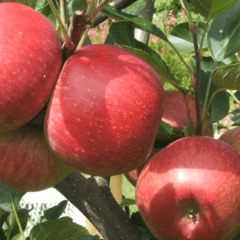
{"x": 71, "y": 107}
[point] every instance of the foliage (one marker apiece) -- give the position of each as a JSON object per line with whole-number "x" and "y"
{"x": 172, "y": 52}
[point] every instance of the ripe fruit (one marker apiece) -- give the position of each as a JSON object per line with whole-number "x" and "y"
{"x": 176, "y": 114}
{"x": 190, "y": 190}
{"x": 232, "y": 137}
{"x": 105, "y": 111}
{"x": 27, "y": 163}
{"x": 30, "y": 63}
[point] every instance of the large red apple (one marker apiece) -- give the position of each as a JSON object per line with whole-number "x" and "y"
{"x": 190, "y": 190}
{"x": 27, "y": 163}
{"x": 30, "y": 63}
{"x": 105, "y": 111}
{"x": 232, "y": 137}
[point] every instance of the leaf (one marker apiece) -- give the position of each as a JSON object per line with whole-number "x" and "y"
{"x": 181, "y": 37}
{"x": 137, "y": 219}
{"x": 127, "y": 202}
{"x": 168, "y": 133}
{"x": 73, "y": 5}
{"x": 54, "y": 212}
{"x": 219, "y": 6}
{"x": 88, "y": 237}
{"x": 141, "y": 23}
{"x": 147, "y": 235}
{"x": 23, "y": 216}
{"x": 224, "y": 33}
{"x": 5, "y": 198}
{"x": 227, "y": 77}
{"x": 62, "y": 228}
{"x": 220, "y": 105}
{"x": 136, "y": 8}
{"x": 123, "y": 34}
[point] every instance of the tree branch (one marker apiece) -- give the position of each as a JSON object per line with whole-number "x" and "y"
{"x": 147, "y": 13}
{"x": 93, "y": 198}
{"x": 118, "y": 4}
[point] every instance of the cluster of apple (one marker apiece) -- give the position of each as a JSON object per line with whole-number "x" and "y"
{"x": 100, "y": 113}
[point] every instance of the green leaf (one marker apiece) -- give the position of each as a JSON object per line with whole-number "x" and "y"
{"x": 147, "y": 235}
{"x": 168, "y": 133}
{"x": 227, "y": 77}
{"x": 136, "y": 8}
{"x": 122, "y": 33}
{"x": 127, "y": 202}
{"x": 5, "y": 198}
{"x": 73, "y": 5}
{"x": 181, "y": 37}
{"x": 218, "y": 6}
{"x": 137, "y": 219}
{"x": 54, "y": 212}
{"x": 2, "y": 236}
{"x": 141, "y": 23}
{"x": 224, "y": 33}
{"x": 88, "y": 237}
{"x": 62, "y": 228}
{"x": 40, "y": 4}
{"x": 220, "y": 104}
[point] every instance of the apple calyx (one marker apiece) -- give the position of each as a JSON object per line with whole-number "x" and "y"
{"x": 192, "y": 213}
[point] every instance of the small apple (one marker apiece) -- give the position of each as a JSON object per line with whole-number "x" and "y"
{"x": 30, "y": 59}
{"x": 190, "y": 190}
{"x": 176, "y": 114}
{"x": 105, "y": 110}
{"x": 232, "y": 138}
{"x": 133, "y": 175}
{"x": 27, "y": 163}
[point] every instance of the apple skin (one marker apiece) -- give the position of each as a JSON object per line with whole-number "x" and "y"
{"x": 30, "y": 59}
{"x": 232, "y": 138}
{"x": 190, "y": 190}
{"x": 176, "y": 114}
{"x": 27, "y": 163}
{"x": 105, "y": 110}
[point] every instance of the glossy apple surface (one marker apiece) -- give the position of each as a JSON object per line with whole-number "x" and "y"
{"x": 232, "y": 137}
{"x": 27, "y": 163}
{"x": 30, "y": 63}
{"x": 105, "y": 111}
{"x": 190, "y": 190}
{"x": 176, "y": 112}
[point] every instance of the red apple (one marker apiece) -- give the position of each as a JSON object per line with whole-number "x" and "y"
{"x": 176, "y": 114}
{"x": 27, "y": 163}
{"x": 190, "y": 190}
{"x": 133, "y": 175}
{"x": 30, "y": 63}
{"x": 232, "y": 137}
{"x": 105, "y": 111}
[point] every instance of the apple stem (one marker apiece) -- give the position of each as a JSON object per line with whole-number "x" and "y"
{"x": 66, "y": 39}
{"x": 196, "y": 85}
{"x": 189, "y": 115}
{"x": 63, "y": 13}
{"x": 83, "y": 38}
{"x": 197, "y": 75}
{"x": 17, "y": 219}
{"x": 98, "y": 10}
